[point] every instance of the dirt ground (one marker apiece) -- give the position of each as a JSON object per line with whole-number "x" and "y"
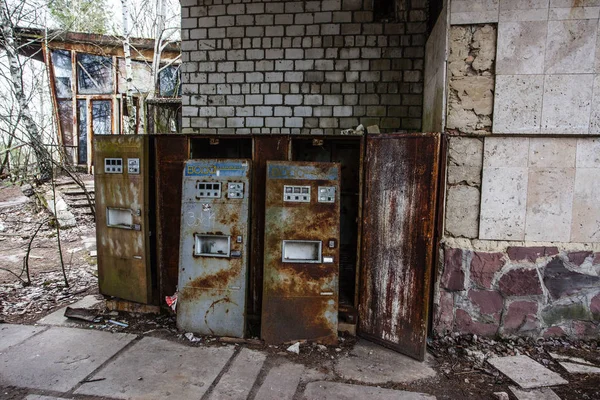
{"x": 460, "y": 361}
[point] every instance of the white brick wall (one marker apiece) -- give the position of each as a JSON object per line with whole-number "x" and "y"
{"x": 300, "y": 66}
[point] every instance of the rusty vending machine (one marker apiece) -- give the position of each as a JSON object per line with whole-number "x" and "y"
{"x": 121, "y": 175}
{"x": 301, "y": 253}
{"x": 213, "y": 254}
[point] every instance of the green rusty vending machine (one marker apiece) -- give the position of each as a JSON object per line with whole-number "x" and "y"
{"x": 213, "y": 253}
{"x": 301, "y": 252}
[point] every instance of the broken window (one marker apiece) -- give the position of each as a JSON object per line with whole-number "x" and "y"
{"x": 61, "y": 60}
{"x": 169, "y": 82}
{"x": 94, "y": 74}
{"x": 141, "y": 80}
{"x": 82, "y": 130}
{"x": 101, "y": 117}
{"x": 65, "y": 116}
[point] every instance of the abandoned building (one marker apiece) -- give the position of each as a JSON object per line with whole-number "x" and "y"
{"x": 88, "y": 86}
{"x": 474, "y": 210}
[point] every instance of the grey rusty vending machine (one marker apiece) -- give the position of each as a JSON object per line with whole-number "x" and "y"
{"x": 213, "y": 253}
{"x": 301, "y": 253}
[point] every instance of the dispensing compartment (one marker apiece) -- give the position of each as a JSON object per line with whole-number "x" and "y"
{"x": 212, "y": 245}
{"x": 301, "y": 251}
{"x": 119, "y": 218}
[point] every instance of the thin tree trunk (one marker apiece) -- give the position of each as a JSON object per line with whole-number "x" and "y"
{"x": 128, "y": 71}
{"x": 16, "y": 73}
{"x": 159, "y": 29}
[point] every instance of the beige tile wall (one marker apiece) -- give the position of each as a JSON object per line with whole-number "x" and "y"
{"x": 541, "y": 189}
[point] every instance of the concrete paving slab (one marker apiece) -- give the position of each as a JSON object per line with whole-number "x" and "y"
{"x": 534, "y": 394}
{"x": 168, "y": 370}
{"x": 343, "y": 391}
{"x": 59, "y": 358}
{"x": 11, "y": 335}
{"x": 237, "y": 382}
{"x": 370, "y": 363}
{"x": 573, "y": 368}
{"x": 38, "y": 397}
{"x": 525, "y": 372}
{"x": 57, "y": 318}
{"x": 281, "y": 382}
{"x": 561, "y": 357}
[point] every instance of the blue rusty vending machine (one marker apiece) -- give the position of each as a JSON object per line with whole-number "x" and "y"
{"x": 213, "y": 254}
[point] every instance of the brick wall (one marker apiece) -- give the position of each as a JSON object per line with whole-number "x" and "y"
{"x": 306, "y": 67}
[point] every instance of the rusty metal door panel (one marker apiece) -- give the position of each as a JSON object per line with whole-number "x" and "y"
{"x": 266, "y": 147}
{"x": 123, "y": 251}
{"x": 171, "y": 153}
{"x": 213, "y": 253}
{"x": 397, "y": 243}
{"x": 301, "y": 252}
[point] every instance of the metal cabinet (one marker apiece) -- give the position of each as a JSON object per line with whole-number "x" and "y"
{"x": 213, "y": 253}
{"x": 122, "y": 223}
{"x": 301, "y": 252}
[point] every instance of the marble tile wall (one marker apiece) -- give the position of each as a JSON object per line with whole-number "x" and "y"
{"x": 541, "y": 189}
{"x": 548, "y": 58}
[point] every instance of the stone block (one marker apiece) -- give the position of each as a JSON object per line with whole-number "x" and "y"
{"x": 503, "y": 203}
{"x": 562, "y": 282}
{"x": 579, "y": 257}
{"x": 506, "y": 152}
{"x": 567, "y": 104}
{"x": 484, "y": 267}
{"x": 549, "y": 204}
{"x": 521, "y": 47}
{"x": 585, "y": 329}
{"x": 552, "y": 152}
{"x": 464, "y": 151}
{"x": 571, "y": 46}
{"x": 554, "y": 331}
{"x": 518, "y": 103}
{"x": 464, "y": 323}
{"x": 586, "y": 207}
{"x": 588, "y": 152}
{"x": 453, "y": 277}
{"x": 519, "y": 316}
{"x": 595, "y": 307}
{"x": 488, "y": 301}
{"x": 520, "y": 282}
{"x": 444, "y": 317}
{"x": 530, "y": 254}
{"x": 571, "y": 13}
{"x": 470, "y": 103}
{"x": 462, "y": 211}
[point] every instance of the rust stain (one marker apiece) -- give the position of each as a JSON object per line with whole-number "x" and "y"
{"x": 293, "y": 305}
{"x": 212, "y": 308}
{"x": 399, "y": 211}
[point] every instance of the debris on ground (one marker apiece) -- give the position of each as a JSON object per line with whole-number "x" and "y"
{"x": 190, "y": 336}
{"x": 295, "y": 348}
{"x": 83, "y": 314}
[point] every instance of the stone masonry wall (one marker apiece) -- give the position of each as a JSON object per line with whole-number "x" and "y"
{"x": 300, "y": 67}
{"x": 515, "y": 290}
{"x": 521, "y": 250}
